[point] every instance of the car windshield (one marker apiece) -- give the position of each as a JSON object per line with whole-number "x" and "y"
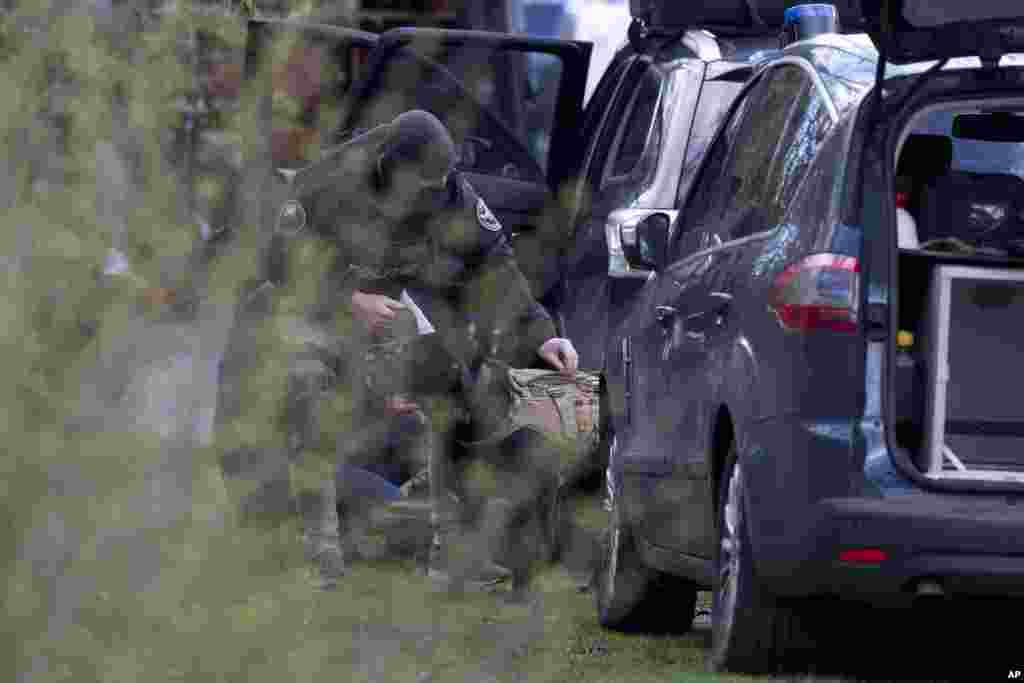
{"x": 961, "y": 177}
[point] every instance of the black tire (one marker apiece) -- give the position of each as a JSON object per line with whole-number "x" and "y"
{"x": 751, "y": 631}
{"x": 632, "y": 597}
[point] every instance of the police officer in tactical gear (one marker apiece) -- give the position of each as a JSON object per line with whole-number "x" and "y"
{"x": 276, "y": 425}
{"x": 406, "y": 221}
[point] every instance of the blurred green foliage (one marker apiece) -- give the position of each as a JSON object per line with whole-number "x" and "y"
{"x": 124, "y": 559}
{"x": 99, "y": 583}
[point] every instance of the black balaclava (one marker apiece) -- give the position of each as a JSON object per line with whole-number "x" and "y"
{"x": 418, "y": 138}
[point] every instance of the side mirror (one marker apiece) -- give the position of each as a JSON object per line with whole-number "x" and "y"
{"x": 637, "y": 242}
{"x": 645, "y": 245}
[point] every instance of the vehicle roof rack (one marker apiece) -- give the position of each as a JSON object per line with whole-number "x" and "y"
{"x": 641, "y": 35}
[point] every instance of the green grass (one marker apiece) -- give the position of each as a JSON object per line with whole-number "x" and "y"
{"x": 386, "y": 623}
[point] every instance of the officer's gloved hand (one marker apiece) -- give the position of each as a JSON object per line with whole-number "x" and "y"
{"x": 561, "y": 355}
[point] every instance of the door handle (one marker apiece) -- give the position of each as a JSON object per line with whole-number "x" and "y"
{"x": 713, "y": 316}
{"x": 720, "y": 301}
{"x": 665, "y": 315}
{"x": 720, "y": 304}
{"x": 695, "y": 327}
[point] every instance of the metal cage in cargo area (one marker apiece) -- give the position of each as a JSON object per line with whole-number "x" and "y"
{"x": 974, "y": 414}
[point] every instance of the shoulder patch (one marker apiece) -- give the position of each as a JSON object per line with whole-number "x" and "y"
{"x": 486, "y": 219}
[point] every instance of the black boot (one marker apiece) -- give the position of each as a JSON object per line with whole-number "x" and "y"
{"x": 321, "y": 538}
{"x": 460, "y": 559}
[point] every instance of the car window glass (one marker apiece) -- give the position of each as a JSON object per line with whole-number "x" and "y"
{"x": 498, "y": 103}
{"x": 979, "y": 197}
{"x": 751, "y": 175}
{"x": 812, "y": 214}
{"x": 637, "y": 127}
{"x": 975, "y": 156}
{"x": 604, "y": 144}
{"x": 709, "y": 193}
{"x": 846, "y": 74}
{"x": 715, "y": 99}
{"x": 805, "y": 132}
{"x": 601, "y": 99}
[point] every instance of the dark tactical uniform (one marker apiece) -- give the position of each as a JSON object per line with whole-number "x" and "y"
{"x": 462, "y": 270}
{"x": 451, "y": 254}
{"x": 280, "y": 418}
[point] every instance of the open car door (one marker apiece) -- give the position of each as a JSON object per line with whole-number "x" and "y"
{"x": 921, "y": 30}
{"x": 513, "y": 106}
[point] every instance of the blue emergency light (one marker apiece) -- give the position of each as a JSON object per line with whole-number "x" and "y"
{"x": 806, "y": 21}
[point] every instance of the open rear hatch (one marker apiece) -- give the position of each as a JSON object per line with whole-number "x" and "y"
{"x": 957, "y": 368}
{"x": 921, "y": 30}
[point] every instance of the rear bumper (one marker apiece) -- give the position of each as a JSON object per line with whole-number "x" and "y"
{"x": 972, "y": 548}
{"x": 972, "y": 544}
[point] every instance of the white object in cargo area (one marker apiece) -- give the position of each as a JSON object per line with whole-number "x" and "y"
{"x": 423, "y": 325}
{"x": 906, "y": 230}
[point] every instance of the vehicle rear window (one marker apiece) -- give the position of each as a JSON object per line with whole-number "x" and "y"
{"x": 976, "y": 156}
{"x": 963, "y": 178}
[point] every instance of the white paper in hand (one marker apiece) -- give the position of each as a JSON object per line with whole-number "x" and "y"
{"x": 423, "y": 325}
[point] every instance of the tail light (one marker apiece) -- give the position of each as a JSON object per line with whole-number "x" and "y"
{"x": 863, "y": 556}
{"x": 820, "y": 292}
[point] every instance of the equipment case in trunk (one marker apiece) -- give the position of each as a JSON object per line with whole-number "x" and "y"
{"x": 972, "y": 333}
